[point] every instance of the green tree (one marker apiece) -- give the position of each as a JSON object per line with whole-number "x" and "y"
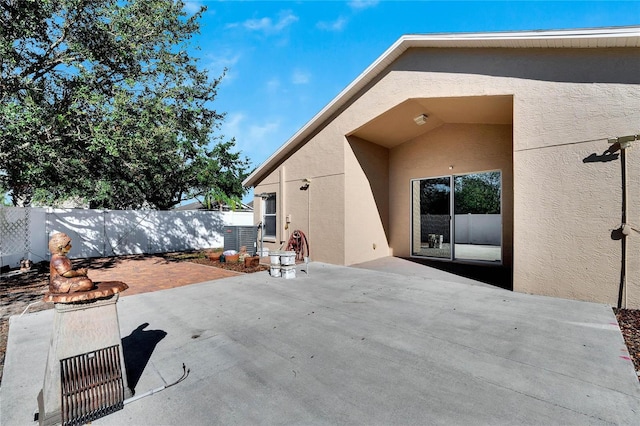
{"x": 435, "y": 196}
{"x": 228, "y": 169}
{"x": 100, "y": 101}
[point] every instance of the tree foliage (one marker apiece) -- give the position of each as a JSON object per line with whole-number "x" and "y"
{"x": 476, "y": 193}
{"x": 435, "y": 196}
{"x": 100, "y": 101}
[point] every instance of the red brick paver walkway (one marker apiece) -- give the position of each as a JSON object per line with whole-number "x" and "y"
{"x": 151, "y": 273}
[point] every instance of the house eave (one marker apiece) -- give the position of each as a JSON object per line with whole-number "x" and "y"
{"x": 611, "y": 37}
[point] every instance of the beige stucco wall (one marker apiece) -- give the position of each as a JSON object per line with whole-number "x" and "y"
{"x": 319, "y": 211}
{"x": 567, "y": 214}
{"x": 566, "y": 191}
{"x": 464, "y": 147}
{"x": 367, "y": 200}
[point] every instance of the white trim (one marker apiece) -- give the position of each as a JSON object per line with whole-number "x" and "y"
{"x": 269, "y": 237}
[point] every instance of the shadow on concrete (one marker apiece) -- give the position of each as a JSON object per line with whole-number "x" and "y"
{"x": 137, "y": 348}
{"x": 496, "y": 275}
{"x": 97, "y": 263}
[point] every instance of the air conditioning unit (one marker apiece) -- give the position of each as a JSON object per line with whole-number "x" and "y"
{"x": 238, "y": 236}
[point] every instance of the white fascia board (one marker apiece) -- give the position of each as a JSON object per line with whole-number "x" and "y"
{"x": 535, "y": 34}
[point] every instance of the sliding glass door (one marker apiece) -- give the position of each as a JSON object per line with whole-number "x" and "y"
{"x": 432, "y": 217}
{"x": 472, "y": 232}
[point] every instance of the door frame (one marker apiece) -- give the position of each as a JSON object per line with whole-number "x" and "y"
{"x": 412, "y": 214}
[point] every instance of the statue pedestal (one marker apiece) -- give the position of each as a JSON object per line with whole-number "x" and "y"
{"x": 85, "y": 377}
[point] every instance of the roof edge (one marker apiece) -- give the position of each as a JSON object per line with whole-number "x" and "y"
{"x": 562, "y": 33}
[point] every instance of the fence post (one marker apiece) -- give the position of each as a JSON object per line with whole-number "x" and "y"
{"x": 104, "y": 233}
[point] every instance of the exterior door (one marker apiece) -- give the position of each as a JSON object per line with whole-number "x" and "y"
{"x": 474, "y": 230}
{"x": 477, "y": 217}
{"x": 431, "y": 222}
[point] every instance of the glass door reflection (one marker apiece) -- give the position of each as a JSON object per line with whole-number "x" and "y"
{"x": 478, "y": 218}
{"x": 432, "y": 217}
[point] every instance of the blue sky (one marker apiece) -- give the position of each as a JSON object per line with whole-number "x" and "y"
{"x": 287, "y": 59}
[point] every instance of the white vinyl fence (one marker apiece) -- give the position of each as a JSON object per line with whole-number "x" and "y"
{"x": 24, "y": 232}
{"x": 483, "y": 229}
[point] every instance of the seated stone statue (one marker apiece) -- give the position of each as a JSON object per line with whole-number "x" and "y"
{"x": 64, "y": 279}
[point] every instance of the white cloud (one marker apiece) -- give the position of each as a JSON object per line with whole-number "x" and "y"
{"x": 232, "y": 123}
{"x": 229, "y": 77}
{"x": 258, "y": 133}
{"x": 192, "y": 7}
{"x": 300, "y": 77}
{"x": 255, "y": 139}
{"x": 363, "y": 4}
{"x": 286, "y": 18}
{"x": 337, "y": 25}
{"x": 217, "y": 61}
{"x": 236, "y": 125}
{"x": 258, "y": 24}
{"x": 267, "y": 25}
{"x": 273, "y": 85}
{"x": 226, "y": 59}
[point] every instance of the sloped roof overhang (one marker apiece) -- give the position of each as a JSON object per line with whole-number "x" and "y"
{"x": 613, "y": 37}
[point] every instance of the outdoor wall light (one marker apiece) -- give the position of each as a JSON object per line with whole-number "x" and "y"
{"x": 421, "y": 119}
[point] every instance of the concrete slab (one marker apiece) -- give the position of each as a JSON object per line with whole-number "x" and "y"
{"x": 352, "y": 346}
{"x": 401, "y": 266}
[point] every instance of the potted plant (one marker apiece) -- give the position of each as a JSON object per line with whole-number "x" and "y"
{"x": 214, "y": 256}
{"x": 251, "y": 261}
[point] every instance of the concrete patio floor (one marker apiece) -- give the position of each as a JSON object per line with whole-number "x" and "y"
{"x": 352, "y": 346}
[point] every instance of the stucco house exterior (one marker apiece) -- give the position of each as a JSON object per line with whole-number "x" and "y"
{"x": 516, "y": 149}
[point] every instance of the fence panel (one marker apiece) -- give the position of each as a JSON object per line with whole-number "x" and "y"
{"x": 14, "y": 234}
{"x": 14, "y": 228}
{"x": 479, "y": 229}
{"x": 102, "y": 233}
{"x": 84, "y": 227}
{"x": 126, "y": 232}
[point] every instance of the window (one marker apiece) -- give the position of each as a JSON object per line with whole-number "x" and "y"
{"x": 270, "y": 216}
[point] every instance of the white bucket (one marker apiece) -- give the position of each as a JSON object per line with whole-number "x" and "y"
{"x": 288, "y": 258}
{"x": 288, "y": 272}
{"x": 274, "y": 257}
{"x": 274, "y": 271}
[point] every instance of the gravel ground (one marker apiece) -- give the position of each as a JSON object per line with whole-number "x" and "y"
{"x": 19, "y": 291}
{"x": 629, "y": 321}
